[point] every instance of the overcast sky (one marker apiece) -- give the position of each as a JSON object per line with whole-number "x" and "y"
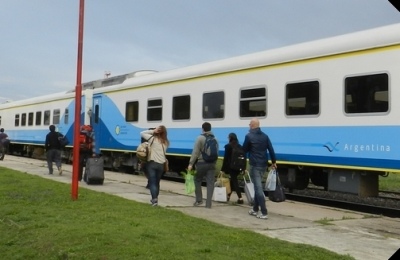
{"x": 39, "y": 38}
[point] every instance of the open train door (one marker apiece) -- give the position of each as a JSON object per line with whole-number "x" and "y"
{"x": 96, "y": 121}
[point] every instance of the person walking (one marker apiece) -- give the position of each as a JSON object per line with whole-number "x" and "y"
{"x": 3, "y": 143}
{"x": 157, "y": 158}
{"x": 226, "y": 167}
{"x": 53, "y": 150}
{"x": 204, "y": 167}
{"x": 257, "y": 144}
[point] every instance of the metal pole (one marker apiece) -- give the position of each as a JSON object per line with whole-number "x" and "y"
{"x": 78, "y": 97}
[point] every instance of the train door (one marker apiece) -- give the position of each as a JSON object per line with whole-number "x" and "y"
{"x": 96, "y": 122}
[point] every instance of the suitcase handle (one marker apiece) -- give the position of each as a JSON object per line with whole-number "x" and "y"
{"x": 246, "y": 172}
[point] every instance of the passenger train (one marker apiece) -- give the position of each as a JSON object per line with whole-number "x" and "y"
{"x": 329, "y": 107}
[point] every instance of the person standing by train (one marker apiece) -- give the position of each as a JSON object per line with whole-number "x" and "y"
{"x": 257, "y": 144}
{"x": 226, "y": 167}
{"x": 53, "y": 150}
{"x": 203, "y": 168}
{"x": 156, "y": 159}
{"x": 86, "y": 147}
{"x": 3, "y": 143}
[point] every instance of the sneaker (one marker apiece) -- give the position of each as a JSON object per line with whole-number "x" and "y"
{"x": 154, "y": 202}
{"x": 261, "y": 216}
{"x": 240, "y": 201}
{"x": 252, "y": 212}
{"x": 60, "y": 170}
{"x": 197, "y": 203}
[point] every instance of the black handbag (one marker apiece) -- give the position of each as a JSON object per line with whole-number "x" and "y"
{"x": 278, "y": 195}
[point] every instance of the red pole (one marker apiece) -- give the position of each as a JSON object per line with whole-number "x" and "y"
{"x": 78, "y": 97}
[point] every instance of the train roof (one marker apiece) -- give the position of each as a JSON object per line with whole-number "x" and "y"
{"x": 363, "y": 40}
{"x": 36, "y": 100}
{"x": 368, "y": 39}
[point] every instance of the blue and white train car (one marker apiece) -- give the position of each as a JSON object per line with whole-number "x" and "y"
{"x": 328, "y": 106}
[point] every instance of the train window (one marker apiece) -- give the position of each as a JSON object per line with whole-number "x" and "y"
{"x": 38, "y": 118}
{"x": 367, "y": 94}
{"x": 56, "y": 116}
{"x": 16, "y": 120}
{"x": 213, "y": 105}
{"x": 23, "y": 119}
{"x": 30, "y": 118}
{"x": 253, "y": 102}
{"x": 181, "y": 107}
{"x": 302, "y": 98}
{"x": 154, "y": 110}
{"x": 132, "y": 111}
{"x": 46, "y": 118}
{"x": 66, "y": 116}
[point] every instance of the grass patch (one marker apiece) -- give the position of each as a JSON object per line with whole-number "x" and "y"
{"x": 390, "y": 183}
{"x": 325, "y": 221}
{"x": 38, "y": 220}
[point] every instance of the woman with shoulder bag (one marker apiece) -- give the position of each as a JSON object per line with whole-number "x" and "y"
{"x": 156, "y": 159}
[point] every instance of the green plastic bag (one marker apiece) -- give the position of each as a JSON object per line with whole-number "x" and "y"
{"x": 189, "y": 181}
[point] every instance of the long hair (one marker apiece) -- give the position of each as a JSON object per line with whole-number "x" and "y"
{"x": 162, "y": 135}
{"x": 233, "y": 138}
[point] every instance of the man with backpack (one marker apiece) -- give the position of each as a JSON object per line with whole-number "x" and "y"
{"x": 53, "y": 150}
{"x": 204, "y": 155}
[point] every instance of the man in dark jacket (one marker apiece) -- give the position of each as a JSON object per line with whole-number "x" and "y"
{"x": 256, "y": 144}
{"x": 53, "y": 150}
{"x": 3, "y": 143}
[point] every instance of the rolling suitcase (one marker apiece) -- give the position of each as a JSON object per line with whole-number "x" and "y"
{"x": 94, "y": 171}
{"x": 249, "y": 189}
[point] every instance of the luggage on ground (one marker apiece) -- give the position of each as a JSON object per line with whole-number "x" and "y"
{"x": 249, "y": 188}
{"x": 278, "y": 194}
{"x": 94, "y": 171}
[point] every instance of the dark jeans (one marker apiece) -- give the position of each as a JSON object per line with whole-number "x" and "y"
{"x": 53, "y": 155}
{"x": 235, "y": 183}
{"x": 83, "y": 156}
{"x": 154, "y": 172}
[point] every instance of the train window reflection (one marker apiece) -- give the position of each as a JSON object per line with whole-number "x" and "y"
{"x": 30, "y": 118}
{"x": 213, "y": 105}
{"x": 23, "y": 119}
{"x": 181, "y": 107}
{"x": 154, "y": 110}
{"x": 253, "y": 102}
{"x": 38, "y": 118}
{"x": 46, "y": 118}
{"x": 16, "y": 120}
{"x": 132, "y": 111}
{"x": 66, "y": 116}
{"x": 56, "y": 116}
{"x": 367, "y": 94}
{"x": 302, "y": 98}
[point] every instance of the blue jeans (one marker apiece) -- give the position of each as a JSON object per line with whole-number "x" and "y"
{"x": 256, "y": 175}
{"x": 154, "y": 171}
{"x": 206, "y": 170}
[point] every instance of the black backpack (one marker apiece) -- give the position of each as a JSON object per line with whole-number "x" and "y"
{"x": 210, "y": 149}
{"x": 238, "y": 158}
